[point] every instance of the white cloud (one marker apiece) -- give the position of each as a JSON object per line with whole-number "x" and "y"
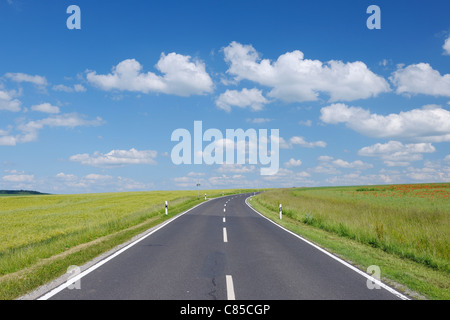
{"x": 7, "y": 101}
{"x": 64, "y": 88}
{"x": 395, "y": 153}
{"x": 46, "y": 108}
{"x": 325, "y": 158}
{"x": 252, "y": 99}
{"x": 296, "y": 140}
{"x": 219, "y": 181}
{"x": 283, "y": 144}
{"x": 181, "y": 77}
{"x": 22, "y": 77}
{"x": 306, "y": 123}
{"x": 188, "y": 182}
{"x": 385, "y": 62}
{"x": 6, "y": 140}
{"x": 359, "y": 179}
{"x": 116, "y": 158}
{"x": 96, "y": 182}
{"x": 428, "y": 124}
{"x": 237, "y": 180}
{"x": 446, "y": 46}
{"x": 295, "y": 79}
{"x": 431, "y": 172}
{"x": 421, "y": 78}
{"x": 195, "y": 174}
{"x": 330, "y": 162}
{"x": 259, "y": 120}
{"x": 447, "y": 159}
{"x": 235, "y": 168}
{"x": 29, "y": 131}
{"x": 67, "y": 177}
{"x": 289, "y": 178}
{"x": 16, "y": 178}
{"x": 302, "y": 142}
{"x": 97, "y": 177}
{"x": 293, "y": 163}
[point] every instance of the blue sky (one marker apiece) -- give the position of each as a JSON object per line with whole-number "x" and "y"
{"x": 93, "y": 110}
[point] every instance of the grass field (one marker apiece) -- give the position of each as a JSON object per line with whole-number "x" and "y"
{"x": 41, "y": 235}
{"x": 408, "y": 222}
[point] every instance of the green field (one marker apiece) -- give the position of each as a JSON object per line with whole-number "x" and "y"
{"x": 404, "y": 228}
{"x": 42, "y": 235}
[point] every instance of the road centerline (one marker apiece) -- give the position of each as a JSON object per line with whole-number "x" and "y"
{"x": 230, "y": 288}
{"x": 225, "y": 236}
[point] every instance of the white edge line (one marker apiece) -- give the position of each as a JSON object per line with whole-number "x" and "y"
{"x": 61, "y": 287}
{"x": 369, "y": 277}
{"x": 230, "y": 288}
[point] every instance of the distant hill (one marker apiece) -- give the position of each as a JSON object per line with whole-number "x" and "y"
{"x": 20, "y": 192}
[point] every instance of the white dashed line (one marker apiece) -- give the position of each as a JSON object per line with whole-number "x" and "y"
{"x": 230, "y": 288}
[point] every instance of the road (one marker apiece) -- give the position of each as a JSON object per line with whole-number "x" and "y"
{"x": 222, "y": 250}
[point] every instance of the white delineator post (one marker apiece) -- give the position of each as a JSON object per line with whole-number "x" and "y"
{"x": 280, "y": 211}
{"x": 205, "y": 196}
{"x": 166, "y": 208}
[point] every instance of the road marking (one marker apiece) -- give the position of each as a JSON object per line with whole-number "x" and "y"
{"x": 225, "y": 237}
{"x": 224, "y": 210}
{"x": 224, "y": 219}
{"x": 230, "y": 288}
{"x": 64, "y": 285}
{"x": 369, "y": 277}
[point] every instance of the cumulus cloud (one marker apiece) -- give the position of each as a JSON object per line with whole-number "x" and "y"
{"x": 395, "y": 153}
{"x": 6, "y": 140}
{"x": 8, "y": 101}
{"x": 295, "y": 79}
{"x": 45, "y": 107}
{"x": 293, "y": 163}
{"x": 29, "y": 131}
{"x": 215, "y": 181}
{"x": 446, "y": 46}
{"x": 245, "y": 98}
{"x": 181, "y": 76}
{"x": 306, "y": 123}
{"x": 431, "y": 123}
{"x": 96, "y": 182}
{"x": 235, "y": 168}
{"x": 18, "y": 178}
{"x": 287, "y": 177}
{"x": 22, "y": 77}
{"x": 431, "y": 172}
{"x": 64, "y": 88}
{"x": 360, "y": 179}
{"x": 302, "y": 142}
{"x": 421, "y": 78}
{"x": 116, "y": 158}
{"x": 339, "y": 163}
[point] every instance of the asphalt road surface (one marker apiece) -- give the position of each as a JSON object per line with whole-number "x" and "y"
{"x": 223, "y": 250}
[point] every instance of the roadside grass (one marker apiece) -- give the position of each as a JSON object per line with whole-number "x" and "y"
{"x": 406, "y": 235}
{"x": 41, "y": 236}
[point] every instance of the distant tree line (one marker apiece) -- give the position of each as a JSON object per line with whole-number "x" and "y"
{"x": 21, "y": 192}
